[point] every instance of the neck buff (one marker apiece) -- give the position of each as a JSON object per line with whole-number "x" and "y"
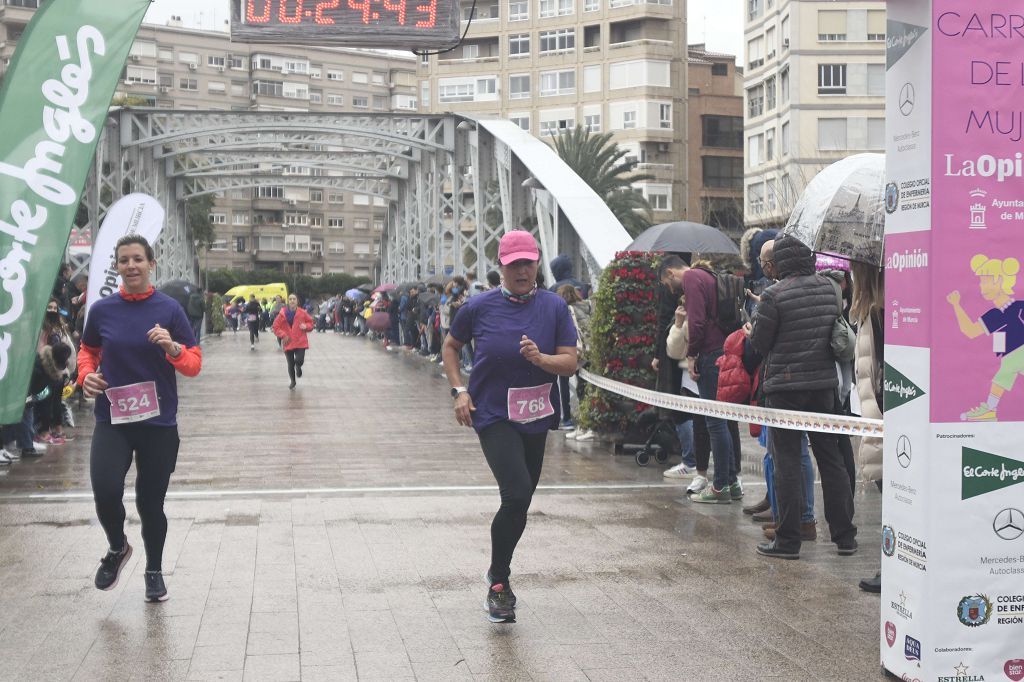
{"x": 519, "y": 298}
{"x": 136, "y": 297}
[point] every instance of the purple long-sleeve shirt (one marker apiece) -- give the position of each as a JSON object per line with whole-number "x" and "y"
{"x": 701, "y": 312}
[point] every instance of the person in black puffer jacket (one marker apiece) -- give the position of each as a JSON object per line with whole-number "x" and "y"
{"x": 792, "y": 329}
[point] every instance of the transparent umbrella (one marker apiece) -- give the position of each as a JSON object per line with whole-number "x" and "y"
{"x": 842, "y": 211}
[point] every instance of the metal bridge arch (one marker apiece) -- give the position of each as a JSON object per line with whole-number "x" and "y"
{"x": 452, "y": 184}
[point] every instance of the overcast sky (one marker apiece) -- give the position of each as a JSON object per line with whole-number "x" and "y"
{"x": 211, "y": 14}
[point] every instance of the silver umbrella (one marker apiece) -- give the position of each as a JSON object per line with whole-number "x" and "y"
{"x": 842, "y": 211}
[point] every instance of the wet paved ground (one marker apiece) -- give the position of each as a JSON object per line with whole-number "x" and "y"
{"x": 340, "y": 532}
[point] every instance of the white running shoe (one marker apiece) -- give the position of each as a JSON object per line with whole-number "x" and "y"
{"x": 571, "y": 435}
{"x": 678, "y": 471}
{"x": 697, "y": 485}
{"x": 586, "y": 435}
{"x": 5, "y": 458}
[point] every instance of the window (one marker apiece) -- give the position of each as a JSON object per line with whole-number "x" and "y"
{"x": 769, "y": 94}
{"x": 629, "y": 119}
{"x": 219, "y": 245}
{"x": 188, "y": 58}
{"x": 188, "y": 84}
{"x": 770, "y": 44}
{"x": 335, "y": 198}
{"x": 785, "y": 32}
{"x": 521, "y": 120}
{"x": 519, "y": 45}
{"x": 240, "y": 219}
{"x": 769, "y": 144}
{"x": 215, "y": 61}
{"x": 425, "y": 93}
{"x": 140, "y": 48}
{"x": 565, "y": 7}
{"x": 315, "y": 70}
{"x": 361, "y": 223}
{"x": 784, "y": 139}
{"x": 470, "y": 51}
{"x": 316, "y": 222}
{"x": 268, "y": 192}
{"x": 754, "y": 9}
{"x": 272, "y": 243}
{"x": 361, "y": 102}
{"x": 876, "y": 133}
{"x": 296, "y": 66}
{"x": 240, "y": 244}
{"x": 361, "y": 248}
{"x": 235, "y": 62}
{"x": 519, "y": 86}
{"x": 333, "y": 75}
{"x": 755, "y": 143}
{"x": 238, "y": 88}
{"x": 665, "y": 116}
{"x": 272, "y": 88}
{"x": 336, "y": 223}
{"x": 639, "y": 73}
{"x": 832, "y": 79}
{"x": 722, "y": 131}
{"x": 548, "y": 8}
{"x": 659, "y": 196}
{"x": 591, "y": 5}
{"x": 557, "y": 83}
{"x": 316, "y": 96}
{"x": 755, "y": 197}
{"x": 335, "y": 99}
{"x": 562, "y": 40}
{"x": 831, "y": 25}
{"x": 296, "y": 242}
{"x": 722, "y": 212}
{"x": 361, "y": 199}
{"x": 336, "y": 247}
{"x": 377, "y": 77}
{"x": 459, "y": 92}
{"x": 518, "y": 10}
{"x": 592, "y": 78}
{"x": 380, "y": 102}
{"x": 165, "y": 54}
{"x": 140, "y": 74}
{"x": 553, "y": 126}
{"x": 486, "y": 86}
{"x": 719, "y": 69}
{"x": 296, "y": 219}
{"x": 218, "y": 218}
{"x": 295, "y": 91}
{"x": 784, "y": 85}
{"x": 876, "y": 24}
{"x": 360, "y": 77}
{"x": 755, "y": 101}
{"x": 832, "y": 134}
{"x": 876, "y": 80}
{"x": 378, "y": 224}
{"x": 723, "y": 172}
{"x": 317, "y": 247}
{"x": 592, "y": 122}
{"x": 755, "y": 52}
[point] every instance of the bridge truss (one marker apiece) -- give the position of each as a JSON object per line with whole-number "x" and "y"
{"x": 452, "y": 184}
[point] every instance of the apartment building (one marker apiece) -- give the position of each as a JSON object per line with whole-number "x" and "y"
{"x": 302, "y": 230}
{"x": 715, "y": 110}
{"x": 815, "y": 93}
{"x": 550, "y": 65}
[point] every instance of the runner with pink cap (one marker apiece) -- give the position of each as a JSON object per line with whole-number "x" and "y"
{"x": 523, "y": 337}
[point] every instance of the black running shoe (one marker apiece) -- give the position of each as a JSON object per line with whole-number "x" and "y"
{"x": 508, "y": 588}
{"x": 499, "y": 605}
{"x": 110, "y": 567}
{"x": 156, "y": 591}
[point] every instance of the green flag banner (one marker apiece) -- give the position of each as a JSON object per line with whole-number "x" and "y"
{"x": 53, "y": 103}
{"x": 984, "y": 472}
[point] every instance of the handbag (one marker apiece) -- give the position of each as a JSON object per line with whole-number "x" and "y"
{"x": 844, "y": 340}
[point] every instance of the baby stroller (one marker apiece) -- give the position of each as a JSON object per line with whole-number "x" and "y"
{"x": 652, "y": 434}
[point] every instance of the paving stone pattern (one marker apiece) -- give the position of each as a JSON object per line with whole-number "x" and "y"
{"x": 618, "y": 577}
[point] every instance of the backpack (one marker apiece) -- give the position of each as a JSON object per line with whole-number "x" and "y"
{"x": 730, "y": 296}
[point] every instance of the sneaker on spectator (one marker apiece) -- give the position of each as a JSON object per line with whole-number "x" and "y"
{"x": 586, "y": 435}
{"x": 5, "y": 458}
{"x": 678, "y": 471}
{"x": 697, "y": 485}
{"x": 12, "y": 454}
{"x": 712, "y": 496}
{"x": 566, "y": 425}
{"x": 736, "y": 490}
{"x": 38, "y": 450}
{"x": 571, "y": 435}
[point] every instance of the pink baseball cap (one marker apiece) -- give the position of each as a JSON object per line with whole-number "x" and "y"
{"x": 517, "y": 245}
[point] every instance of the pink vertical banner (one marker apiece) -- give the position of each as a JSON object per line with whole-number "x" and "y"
{"x": 977, "y": 212}
{"x": 908, "y": 319}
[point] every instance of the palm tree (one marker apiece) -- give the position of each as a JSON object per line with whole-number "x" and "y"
{"x": 598, "y": 160}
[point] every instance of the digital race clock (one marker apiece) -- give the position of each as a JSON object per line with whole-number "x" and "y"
{"x": 395, "y": 24}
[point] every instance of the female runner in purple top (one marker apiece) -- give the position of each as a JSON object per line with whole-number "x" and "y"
{"x": 523, "y": 338}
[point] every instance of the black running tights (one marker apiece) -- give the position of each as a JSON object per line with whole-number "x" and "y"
{"x": 515, "y": 459}
{"x": 254, "y": 331}
{"x": 156, "y": 452}
{"x": 295, "y": 359}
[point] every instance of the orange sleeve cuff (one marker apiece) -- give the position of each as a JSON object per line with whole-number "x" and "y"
{"x": 88, "y": 361}
{"x": 189, "y": 361}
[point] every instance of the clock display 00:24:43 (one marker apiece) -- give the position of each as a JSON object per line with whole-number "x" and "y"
{"x": 293, "y": 11}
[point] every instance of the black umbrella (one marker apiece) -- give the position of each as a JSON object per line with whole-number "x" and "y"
{"x": 684, "y": 236}
{"x": 368, "y": 287}
{"x": 438, "y": 280}
{"x": 179, "y": 290}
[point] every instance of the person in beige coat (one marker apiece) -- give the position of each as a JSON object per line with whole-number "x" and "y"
{"x": 868, "y": 312}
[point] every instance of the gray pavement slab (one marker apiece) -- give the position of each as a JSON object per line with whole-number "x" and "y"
{"x": 340, "y": 532}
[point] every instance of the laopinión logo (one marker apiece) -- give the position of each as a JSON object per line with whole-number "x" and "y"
{"x": 974, "y": 610}
{"x": 888, "y": 541}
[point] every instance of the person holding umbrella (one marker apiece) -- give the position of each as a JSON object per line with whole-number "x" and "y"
{"x": 524, "y": 339}
{"x": 291, "y": 326}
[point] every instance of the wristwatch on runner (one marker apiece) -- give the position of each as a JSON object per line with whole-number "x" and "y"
{"x": 457, "y": 390}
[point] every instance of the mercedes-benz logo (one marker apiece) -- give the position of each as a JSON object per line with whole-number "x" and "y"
{"x": 903, "y": 451}
{"x": 1009, "y": 523}
{"x": 907, "y": 99}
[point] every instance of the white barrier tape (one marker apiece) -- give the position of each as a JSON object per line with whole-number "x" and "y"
{"x": 782, "y": 419}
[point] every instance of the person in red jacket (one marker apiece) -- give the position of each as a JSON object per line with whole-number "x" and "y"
{"x": 291, "y": 326}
